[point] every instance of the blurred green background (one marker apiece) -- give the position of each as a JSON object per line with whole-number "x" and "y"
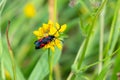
{"x": 78, "y": 15}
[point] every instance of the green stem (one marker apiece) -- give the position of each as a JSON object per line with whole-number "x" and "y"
{"x": 102, "y": 15}
{"x": 50, "y": 62}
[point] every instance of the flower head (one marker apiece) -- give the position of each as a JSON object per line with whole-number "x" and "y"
{"x": 49, "y": 35}
{"x": 29, "y": 10}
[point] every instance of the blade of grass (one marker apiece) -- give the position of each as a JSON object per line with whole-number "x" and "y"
{"x": 102, "y": 15}
{"x": 106, "y": 52}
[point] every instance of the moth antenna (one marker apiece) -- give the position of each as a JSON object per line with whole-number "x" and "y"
{"x": 57, "y": 30}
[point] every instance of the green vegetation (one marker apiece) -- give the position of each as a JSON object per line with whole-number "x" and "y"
{"x": 90, "y": 50}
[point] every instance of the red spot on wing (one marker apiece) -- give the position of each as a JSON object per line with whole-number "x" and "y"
{"x": 42, "y": 45}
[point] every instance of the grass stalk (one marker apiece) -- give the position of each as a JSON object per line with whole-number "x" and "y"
{"x": 11, "y": 53}
{"x": 81, "y": 57}
{"x": 102, "y": 16}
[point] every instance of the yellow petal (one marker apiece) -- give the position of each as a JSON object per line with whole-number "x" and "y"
{"x": 57, "y": 31}
{"x": 52, "y": 31}
{"x": 59, "y": 46}
{"x": 56, "y": 34}
{"x": 52, "y": 43}
{"x": 45, "y": 28}
{"x": 40, "y": 29}
{"x": 58, "y": 43}
{"x": 57, "y": 26}
{"x": 41, "y": 32}
{"x": 47, "y": 46}
{"x": 36, "y": 33}
{"x": 63, "y": 27}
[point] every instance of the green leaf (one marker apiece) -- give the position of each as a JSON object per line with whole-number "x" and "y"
{"x": 42, "y": 69}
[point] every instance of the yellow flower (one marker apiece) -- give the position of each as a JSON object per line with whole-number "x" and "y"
{"x": 49, "y": 35}
{"x": 29, "y": 10}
